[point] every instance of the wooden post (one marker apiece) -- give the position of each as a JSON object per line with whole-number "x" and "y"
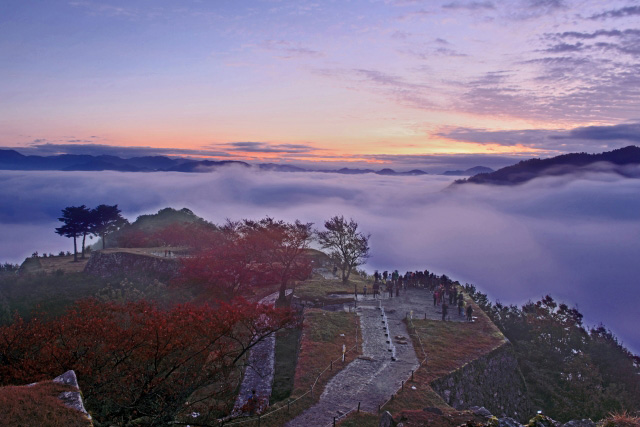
{"x": 334, "y": 421}
{"x": 358, "y": 407}
{"x": 411, "y": 375}
{"x": 402, "y": 386}
{"x": 378, "y": 408}
{"x": 331, "y": 366}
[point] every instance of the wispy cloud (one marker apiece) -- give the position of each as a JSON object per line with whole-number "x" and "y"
{"x": 264, "y": 147}
{"x": 623, "y": 132}
{"x": 289, "y": 50}
{"x": 618, "y": 13}
{"x": 49, "y": 149}
{"x": 104, "y": 8}
{"x": 473, "y": 5}
{"x": 589, "y": 138}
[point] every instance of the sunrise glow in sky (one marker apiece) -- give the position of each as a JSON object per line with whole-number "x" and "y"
{"x": 385, "y": 81}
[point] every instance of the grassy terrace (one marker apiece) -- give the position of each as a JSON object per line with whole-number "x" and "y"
{"x": 317, "y": 289}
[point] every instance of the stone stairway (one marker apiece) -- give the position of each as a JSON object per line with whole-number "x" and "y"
{"x": 369, "y": 380}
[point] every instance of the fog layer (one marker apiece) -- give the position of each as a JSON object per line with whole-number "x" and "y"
{"x": 576, "y": 238}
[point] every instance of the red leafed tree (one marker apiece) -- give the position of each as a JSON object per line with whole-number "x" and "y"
{"x": 137, "y": 361}
{"x": 197, "y": 236}
{"x": 281, "y": 249}
{"x": 251, "y": 253}
{"x": 223, "y": 269}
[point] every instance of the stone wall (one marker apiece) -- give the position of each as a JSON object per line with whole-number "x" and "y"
{"x": 493, "y": 381}
{"x": 115, "y": 264}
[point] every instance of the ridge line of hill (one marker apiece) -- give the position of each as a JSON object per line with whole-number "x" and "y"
{"x": 13, "y": 160}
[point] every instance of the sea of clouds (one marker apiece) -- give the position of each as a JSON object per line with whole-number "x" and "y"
{"x": 574, "y": 237}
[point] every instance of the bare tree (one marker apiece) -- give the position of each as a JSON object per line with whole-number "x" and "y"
{"x": 349, "y": 247}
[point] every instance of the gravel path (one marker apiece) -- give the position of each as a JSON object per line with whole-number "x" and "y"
{"x": 370, "y": 379}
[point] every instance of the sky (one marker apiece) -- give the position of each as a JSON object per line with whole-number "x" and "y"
{"x": 398, "y": 83}
{"x": 574, "y": 237}
{"x": 428, "y": 84}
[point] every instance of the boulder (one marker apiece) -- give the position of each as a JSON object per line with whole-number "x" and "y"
{"x": 541, "y": 420}
{"x": 71, "y": 399}
{"x": 481, "y": 411}
{"x": 508, "y": 422}
{"x": 386, "y": 420}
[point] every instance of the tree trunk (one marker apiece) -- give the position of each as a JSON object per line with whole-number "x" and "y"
{"x": 84, "y": 236}
{"x": 282, "y": 297}
{"x": 75, "y": 250}
{"x": 346, "y": 277}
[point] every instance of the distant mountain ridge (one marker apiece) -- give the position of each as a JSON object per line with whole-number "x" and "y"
{"x": 469, "y": 172}
{"x": 13, "y": 160}
{"x": 617, "y": 161}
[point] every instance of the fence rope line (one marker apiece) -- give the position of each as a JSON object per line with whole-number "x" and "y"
{"x": 287, "y": 404}
{"x": 417, "y": 335}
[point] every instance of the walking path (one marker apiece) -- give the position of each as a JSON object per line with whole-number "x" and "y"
{"x": 371, "y": 379}
{"x": 258, "y": 374}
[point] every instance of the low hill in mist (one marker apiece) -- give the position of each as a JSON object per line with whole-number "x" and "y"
{"x": 623, "y": 161}
{"x": 13, "y": 160}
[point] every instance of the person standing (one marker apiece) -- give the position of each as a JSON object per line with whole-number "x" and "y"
{"x": 469, "y": 313}
{"x": 364, "y": 291}
{"x": 445, "y": 310}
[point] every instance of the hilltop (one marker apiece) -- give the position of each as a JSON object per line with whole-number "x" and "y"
{"x": 623, "y": 161}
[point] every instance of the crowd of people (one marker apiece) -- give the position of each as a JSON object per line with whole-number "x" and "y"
{"x": 445, "y": 292}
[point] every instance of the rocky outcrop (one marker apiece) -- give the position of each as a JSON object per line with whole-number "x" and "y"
{"x": 110, "y": 263}
{"x": 71, "y": 399}
{"x": 493, "y": 381}
{"x": 540, "y": 420}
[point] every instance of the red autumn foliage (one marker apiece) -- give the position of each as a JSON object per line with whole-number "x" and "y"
{"x": 250, "y": 253}
{"x": 134, "y": 239}
{"x": 197, "y": 236}
{"x": 137, "y": 360}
